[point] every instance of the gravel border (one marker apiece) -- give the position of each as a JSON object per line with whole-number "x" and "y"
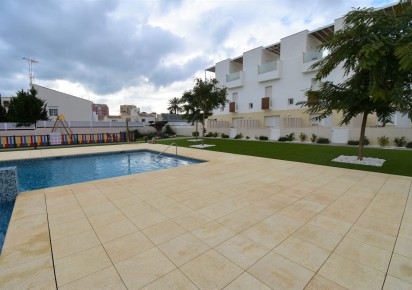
{"x": 354, "y": 160}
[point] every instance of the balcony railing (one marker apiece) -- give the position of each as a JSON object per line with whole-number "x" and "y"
{"x": 267, "y": 67}
{"x": 233, "y": 76}
{"x": 313, "y": 55}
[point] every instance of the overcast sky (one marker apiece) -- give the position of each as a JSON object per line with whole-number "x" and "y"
{"x": 143, "y": 52}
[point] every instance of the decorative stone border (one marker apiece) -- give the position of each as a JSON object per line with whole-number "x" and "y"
{"x": 8, "y": 184}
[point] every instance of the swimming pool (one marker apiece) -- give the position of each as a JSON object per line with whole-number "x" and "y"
{"x": 56, "y": 171}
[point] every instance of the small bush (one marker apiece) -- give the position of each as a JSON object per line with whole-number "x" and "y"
{"x": 383, "y": 141}
{"x": 238, "y": 136}
{"x": 366, "y": 141}
{"x": 303, "y": 137}
{"x": 169, "y": 131}
{"x": 263, "y": 138}
{"x": 283, "y": 139}
{"x": 291, "y": 136}
{"x": 210, "y": 134}
{"x": 353, "y": 142}
{"x": 322, "y": 140}
{"x": 247, "y": 137}
{"x": 400, "y": 141}
{"x": 409, "y": 145}
{"x": 223, "y": 135}
{"x": 215, "y": 134}
{"x": 195, "y": 133}
{"x": 313, "y": 138}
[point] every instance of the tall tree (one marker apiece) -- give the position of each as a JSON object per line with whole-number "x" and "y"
{"x": 26, "y": 109}
{"x": 199, "y": 102}
{"x": 174, "y": 106}
{"x": 3, "y": 114}
{"x": 371, "y": 50}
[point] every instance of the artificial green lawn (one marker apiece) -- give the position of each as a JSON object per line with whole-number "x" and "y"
{"x": 397, "y": 161}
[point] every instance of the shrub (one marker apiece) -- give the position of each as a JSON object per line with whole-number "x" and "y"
{"x": 291, "y": 136}
{"x": 400, "y": 141}
{"x": 356, "y": 142}
{"x": 238, "y": 136}
{"x": 223, "y": 135}
{"x": 353, "y": 142}
{"x": 383, "y": 141}
{"x": 322, "y": 140}
{"x": 263, "y": 138}
{"x": 313, "y": 138}
{"x": 169, "y": 131}
{"x": 215, "y": 134}
{"x": 210, "y": 134}
{"x": 409, "y": 145}
{"x": 195, "y": 133}
{"x": 302, "y": 137}
{"x": 247, "y": 137}
{"x": 283, "y": 139}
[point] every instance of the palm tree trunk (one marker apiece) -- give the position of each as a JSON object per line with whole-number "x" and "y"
{"x": 203, "y": 128}
{"x": 362, "y": 135}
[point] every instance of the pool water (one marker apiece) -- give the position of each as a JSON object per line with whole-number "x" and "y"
{"x": 56, "y": 171}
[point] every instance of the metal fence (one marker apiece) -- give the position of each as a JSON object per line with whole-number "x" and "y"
{"x": 73, "y": 139}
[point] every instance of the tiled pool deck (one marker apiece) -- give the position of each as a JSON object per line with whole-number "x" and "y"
{"x": 235, "y": 222}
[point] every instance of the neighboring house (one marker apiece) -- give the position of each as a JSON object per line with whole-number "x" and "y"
{"x": 146, "y": 118}
{"x": 264, "y": 84}
{"x": 101, "y": 111}
{"x": 5, "y": 102}
{"x": 73, "y": 108}
{"x": 113, "y": 118}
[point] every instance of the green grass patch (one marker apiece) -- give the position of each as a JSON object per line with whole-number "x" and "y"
{"x": 397, "y": 161}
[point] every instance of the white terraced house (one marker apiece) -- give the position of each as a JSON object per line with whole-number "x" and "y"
{"x": 265, "y": 83}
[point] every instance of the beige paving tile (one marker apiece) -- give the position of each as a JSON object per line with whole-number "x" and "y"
{"x": 66, "y": 216}
{"x": 106, "y": 218}
{"x": 342, "y": 214}
{"x": 196, "y": 203}
{"x": 325, "y": 239}
{"x": 298, "y": 213}
{"x": 164, "y": 231}
{"x": 115, "y": 230}
{"x": 236, "y": 221}
{"x": 70, "y": 228}
{"x": 242, "y": 251}
{"x": 175, "y": 280}
{"x": 246, "y": 282}
{"x": 283, "y": 223}
{"x": 148, "y": 219}
{"x": 136, "y": 209}
{"x": 392, "y": 283}
{"x": 401, "y": 267}
{"x": 211, "y": 271}
{"x": 141, "y": 270}
{"x": 234, "y": 203}
{"x": 278, "y": 272}
{"x": 69, "y": 245}
{"x": 127, "y": 246}
{"x": 81, "y": 264}
{"x": 214, "y": 211}
{"x": 100, "y": 208}
{"x": 126, "y": 201}
{"x": 350, "y": 274}
{"x": 265, "y": 235}
{"x": 34, "y": 273}
{"x": 175, "y": 210}
{"x": 183, "y": 248}
{"x": 104, "y": 279}
{"x": 331, "y": 224}
{"x": 405, "y": 231}
{"x": 403, "y": 247}
{"x": 192, "y": 220}
{"x": 321, "y": 283}
{"x": 160, "y": 202}
{"x": 378, "y": 225}
{"x": 365, "y": 254}
{"x": 372, "y": 238}
{"x": 302, "y": 253}
{"x": 213, "y": 233}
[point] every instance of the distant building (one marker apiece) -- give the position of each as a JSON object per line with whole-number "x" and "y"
{"x": 128, "y": 110}
{"x": 5, "y": 102}
{"x": 101, "y": 110}
{"x": 73, "y": 108}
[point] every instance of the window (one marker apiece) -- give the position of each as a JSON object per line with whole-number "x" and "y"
{"x": 234, "y": 97}
{"x": 268, "y": 92}
{"x": 53, "y": 111}
{"x": 290, "y": 101}
{"x": 250, "y": 105}
{"x": 143, "y": 120}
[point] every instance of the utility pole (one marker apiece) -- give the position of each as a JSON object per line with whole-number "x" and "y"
{"x": 31, "y": 62}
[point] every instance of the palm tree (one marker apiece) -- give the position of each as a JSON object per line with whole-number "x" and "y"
{"x": 174, "y": 106}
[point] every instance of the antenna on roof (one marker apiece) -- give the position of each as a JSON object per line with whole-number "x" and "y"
{"x": 31, "y": 62}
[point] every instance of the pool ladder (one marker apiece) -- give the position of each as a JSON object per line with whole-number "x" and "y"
{"x": 174, "y": 143}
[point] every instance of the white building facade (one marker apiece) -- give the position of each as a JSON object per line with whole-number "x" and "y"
{"x": 265, "y": 83}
